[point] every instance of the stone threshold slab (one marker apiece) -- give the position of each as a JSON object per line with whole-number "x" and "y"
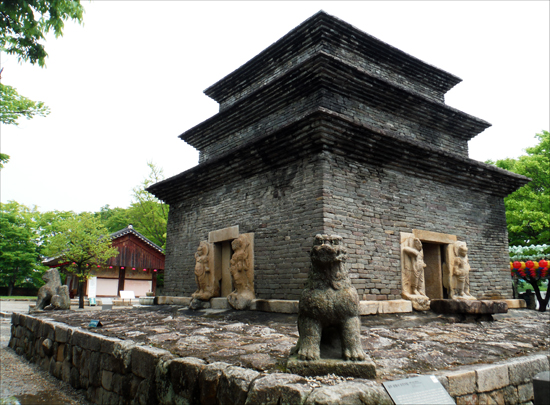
{"x": 291, "y": 306}
{"x": 356, "y": 369}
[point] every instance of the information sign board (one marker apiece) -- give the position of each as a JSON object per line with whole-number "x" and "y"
{"x": 423, "y": 390}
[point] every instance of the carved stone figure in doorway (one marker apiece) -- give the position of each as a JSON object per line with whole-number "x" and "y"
{"x": 412, "y": 276}
{"x": 456, "y": 273}
{"x": 207, "y": 283}
{"x": 242, "y": 272}
{"x": 328, "y": 312}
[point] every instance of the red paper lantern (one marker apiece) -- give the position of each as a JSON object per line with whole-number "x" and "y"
{"x": 543, "y": 263}
{"x": 517, "y": 265}
{"x": 529, "y": 264}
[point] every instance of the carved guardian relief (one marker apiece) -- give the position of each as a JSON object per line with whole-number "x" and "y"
{"x": 242, "y": 271}
{"x": 456, "y": 272}
{"x": 412, "y": 272}
{"x": 207, "y": 283}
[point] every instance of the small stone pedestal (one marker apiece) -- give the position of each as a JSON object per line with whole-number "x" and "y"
{"x": 479, "y": 310}
{"x": 344, "y": 368}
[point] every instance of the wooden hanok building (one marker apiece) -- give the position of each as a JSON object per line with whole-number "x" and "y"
{"x": 134, "y": 269}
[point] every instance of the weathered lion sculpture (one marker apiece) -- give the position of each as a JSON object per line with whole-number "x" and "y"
{"x": 328, "y": 312}
{"x": 53, "y": 293}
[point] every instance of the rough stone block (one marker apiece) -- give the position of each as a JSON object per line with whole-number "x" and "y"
{"x": 278, "y": 306}
{"x": 492, "y": 377}
{"x": 461, "y": 383}
{"x": 514, "y": 304}
{"x": 368, "y": 307}
{"x": 219, "y": 303}
{"x": 86, "y": 340}
{"x": 74, "y": 378}
{"x": 107, "y": 380}
{"x": 48, "y": 330}
{"x": 15, "y": 317}
{"x": 525, "y": 393}
{"x": 209, "y": 381}
{"x": 165, "y": 300}
{"x": 471, "y": 399}
{"x": 224, "y": 234}
{"x": 144, "y": 360}
{"x": 394, "y": 306}
{"x": 111, "y": 363}
{"x": 108, "y": 344}
{"x": 62, "y": 333}
{"x": 357, "y": 369}
{"x": 522, "y": 370}
{"x": 494, "y": 397}
{"x": 353, "y": 392}
{"x": 234, "y": 385}
{"x": 470, "y": 307}
{"x": 184, "y": 376}
{"x": 278, "y": 388}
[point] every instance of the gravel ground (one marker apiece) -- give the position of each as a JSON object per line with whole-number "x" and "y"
{"x": 25, "y": 383}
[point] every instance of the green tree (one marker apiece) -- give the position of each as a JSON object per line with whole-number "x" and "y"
{"x": 150, "y": 214}
{"x": 20, "y": 259}
{"x": 14, "y": 106}
{"x": 116, "y": 218}
{"x": 528, "y": 208}
{"x": 84, "y": 242}
{"x": 23, "y": 24}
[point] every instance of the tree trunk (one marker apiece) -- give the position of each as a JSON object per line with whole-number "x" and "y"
{"x": 11, "y": 283}
{"x": 542, "y": 302}
{"x": 80, "y": 294}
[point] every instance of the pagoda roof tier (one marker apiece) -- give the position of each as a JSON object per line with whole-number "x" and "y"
{"x": 324, "y": 80}
{"x": 340, "y": 39}
{"x": 321, "y": 131}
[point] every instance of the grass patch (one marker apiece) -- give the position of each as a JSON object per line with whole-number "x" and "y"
{"x": 16, "y": 298}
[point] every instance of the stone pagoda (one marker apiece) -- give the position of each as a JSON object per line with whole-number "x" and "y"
{"x": 332, "y": 131}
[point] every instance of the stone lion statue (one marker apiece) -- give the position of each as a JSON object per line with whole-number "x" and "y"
{"x": 53, "y": 295}
{"x": 328, "y": 312}
{"x": 242, "y": 274}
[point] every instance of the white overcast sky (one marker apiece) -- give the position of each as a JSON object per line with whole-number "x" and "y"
{"x": 124, "y": 86}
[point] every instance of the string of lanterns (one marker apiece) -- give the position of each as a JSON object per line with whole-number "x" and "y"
{"x": 537, "y": 270}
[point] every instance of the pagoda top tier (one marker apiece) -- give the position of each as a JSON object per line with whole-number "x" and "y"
{"x": 323, "y": 32}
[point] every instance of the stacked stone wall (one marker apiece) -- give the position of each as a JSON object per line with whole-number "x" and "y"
{"x": 369, "y": 205}
{"x": 114, "y": 371}
{"x": 282, "y": 209}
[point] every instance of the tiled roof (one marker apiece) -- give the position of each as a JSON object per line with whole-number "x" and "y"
{"x": 130, "y": 230}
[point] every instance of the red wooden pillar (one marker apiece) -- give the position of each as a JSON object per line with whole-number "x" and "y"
{"x": 121, "y": 275}
{"x": 154, "y": 283}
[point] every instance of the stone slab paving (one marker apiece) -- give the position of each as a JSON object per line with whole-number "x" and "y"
{"x": 399, "y": 344}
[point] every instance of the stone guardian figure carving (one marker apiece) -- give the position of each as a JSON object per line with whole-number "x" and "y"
{"x": 208, "y": 285}
{"x": 412, "y": 275}
{"x": 329, "y": 305}
{"x": 456, "y": 272}
{"x": 242, "y": 272}
{"x": 53, "y": 295}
